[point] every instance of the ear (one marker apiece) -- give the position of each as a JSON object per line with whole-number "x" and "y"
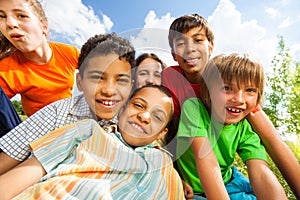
{"x": 45, "y": 29}
{"x": 162, "y": 133}
{"x": 79, "y": 82}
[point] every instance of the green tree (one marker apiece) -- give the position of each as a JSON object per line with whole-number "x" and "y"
{"x": 18, "y": 106}
{"x": 294, "y": 99}
{"x": 282, "y": 99}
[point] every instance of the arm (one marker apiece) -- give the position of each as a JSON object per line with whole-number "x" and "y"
{"x": 208, "y": 169}
{"x": 19, "y": 178}
{"x": 279, "y": 151}
{"x": 264, "y": 183}
{"x": 7, "y": 163}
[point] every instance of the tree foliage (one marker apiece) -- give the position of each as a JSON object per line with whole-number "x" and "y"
{"x": 282, "y": 103}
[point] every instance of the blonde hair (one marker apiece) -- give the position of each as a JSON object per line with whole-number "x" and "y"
{"x": 244, "y": 68}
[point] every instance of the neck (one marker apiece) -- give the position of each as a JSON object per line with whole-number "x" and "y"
{"x": 193, "y": 78}
{"x": 41, "y": 55}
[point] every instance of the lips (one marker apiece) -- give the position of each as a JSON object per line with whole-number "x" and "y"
{"x": 235, "y": 110}
{"x": 192, "y": 61}
{"x": 109, "y": 103}
{"x": 16, "y": 36}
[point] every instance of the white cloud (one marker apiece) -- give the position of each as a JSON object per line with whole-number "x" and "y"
{"x": 272, "y": 12}
{"x": 234, "y": 35}
{"x": 285, "y": 23}
{"x": 73, "y": 21}
{"x": 154, "y": 36}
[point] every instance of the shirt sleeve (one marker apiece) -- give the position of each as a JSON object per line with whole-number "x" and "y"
{"x": 55, "y": 147}
{"x": 194, "y": 119}
{"x": 250, "y": 146}
{"x": 16, "y": 142}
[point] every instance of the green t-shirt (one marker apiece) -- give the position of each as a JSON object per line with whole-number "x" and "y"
{"x": 226, "y": 141}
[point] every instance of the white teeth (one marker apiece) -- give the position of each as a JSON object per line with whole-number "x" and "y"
{"x": 234, "y": 110}
{"x": 138, "y": 128}
{"x": 107, "y": 103}
{"x": 192, "y": 61}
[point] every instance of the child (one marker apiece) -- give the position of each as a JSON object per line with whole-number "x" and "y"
{"x": 40, "y": 71}
{"x": 83, "y": 161}
{"x": 105, "y": 79}
{"x": 232, "y": 86}
{"x": 192, "y": 41}
{"x": 148, "y": 70}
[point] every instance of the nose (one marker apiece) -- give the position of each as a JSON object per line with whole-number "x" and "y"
{"x": 190, "y": 45}
{"x": 150, "y": 79}
{"x": 108, "y": 87}
{"x": 11, "y": 22}
{"x": 144, "y": 117}
{"x": 239, "y": 96}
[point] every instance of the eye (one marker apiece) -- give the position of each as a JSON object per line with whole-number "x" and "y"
{"x": 142, "y": 73}
{"x": 138, "y": 105}
{"x": 157, "y": 117}
{"x": 96, "y": 77}
{"x": 158, "y": 75}
{"x": 251, "y": 90}
{"x": 226, "y": 88}
{"x": 2, "y": 16}
{"x": 123, "y": 81}
{"x": 21, "y": 15}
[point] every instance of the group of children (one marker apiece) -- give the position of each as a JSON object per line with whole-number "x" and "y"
{"x": 103, "y": 142}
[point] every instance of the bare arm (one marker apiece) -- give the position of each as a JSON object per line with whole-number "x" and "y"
{"x": 278, "y": 150}
{"x": 208, "y": 169}
{"x": 7, "y": 163}
{"x": 264, "y": 183}
{"x": 19, "y": 178}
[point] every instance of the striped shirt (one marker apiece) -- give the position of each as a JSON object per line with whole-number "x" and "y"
{"x": 60, "y": 113}
{"x": 83, "y": 161}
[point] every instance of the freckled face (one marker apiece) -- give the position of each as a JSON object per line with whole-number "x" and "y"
{"x": 106, "y": 84}
{"x": 145, "y": 117}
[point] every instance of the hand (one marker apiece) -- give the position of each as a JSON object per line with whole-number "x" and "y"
{"x": 188, "y": 190}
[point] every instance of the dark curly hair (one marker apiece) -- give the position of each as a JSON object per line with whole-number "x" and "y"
{"x": 104, "y": 44}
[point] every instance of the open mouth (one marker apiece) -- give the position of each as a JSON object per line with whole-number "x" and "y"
{"x": 193, "y": 61}
{"x": 109, "y": 103}
{"x": 234, "y": 110}
{"x": 138, "y": 128}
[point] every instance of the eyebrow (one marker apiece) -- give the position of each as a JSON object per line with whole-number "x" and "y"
{"x": 102, "y": 72}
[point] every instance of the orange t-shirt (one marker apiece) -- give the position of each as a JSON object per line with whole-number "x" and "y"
{"x": 40, "y": 84}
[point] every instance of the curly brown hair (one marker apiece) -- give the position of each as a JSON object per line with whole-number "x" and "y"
{"x": 104, "y": 44}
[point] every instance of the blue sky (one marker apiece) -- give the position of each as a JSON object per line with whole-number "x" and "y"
{"x": 239, "y": 25}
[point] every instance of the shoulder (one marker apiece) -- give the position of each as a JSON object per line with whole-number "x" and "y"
{"x": 172, "y": 69}
{"x": 56, "y": 46}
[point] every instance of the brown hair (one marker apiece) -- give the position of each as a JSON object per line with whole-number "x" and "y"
{"x": 245, "y": 68}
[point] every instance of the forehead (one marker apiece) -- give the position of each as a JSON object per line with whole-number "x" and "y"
{"x": 191, "y": 33}
{"x": 109, "y": 64}
{"x": 15, "y": 5}
{"x": 149, "y": 64}
{"x": 154, "y": 97}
